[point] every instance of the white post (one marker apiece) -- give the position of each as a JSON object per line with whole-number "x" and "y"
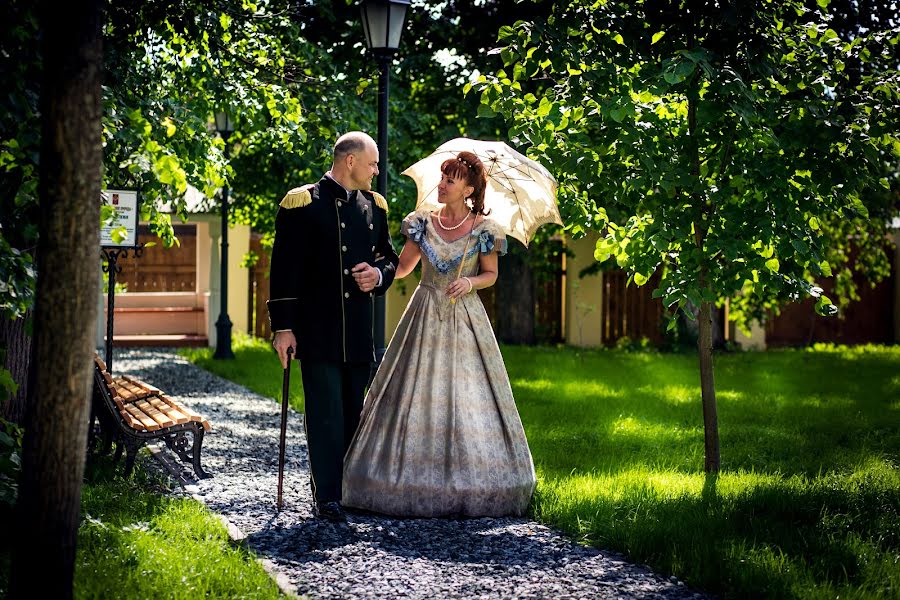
{"x": 214, "y": 285}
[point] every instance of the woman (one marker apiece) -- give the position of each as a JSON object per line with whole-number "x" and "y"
{"x": 440, "y": 434}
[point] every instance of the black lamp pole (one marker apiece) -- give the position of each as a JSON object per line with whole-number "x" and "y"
{"x": 384, "y": 78}
{"x": 223, "y": 324}
{"x": 382, "y": 24}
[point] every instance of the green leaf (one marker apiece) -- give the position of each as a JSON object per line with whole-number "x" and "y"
{"x": 485, "y": 111}
{"x": 618, "y": 39}
{"x": 825, "y": 307}
{"x": 657, "y": 36}
{"x": 640, "y": 280}
{"x": 618, "y": 114}
{"x": 773, "y": 265}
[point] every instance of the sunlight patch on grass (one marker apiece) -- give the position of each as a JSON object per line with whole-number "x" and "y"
{"x": 535, "y": 386}
{"x": 588, "y": 389}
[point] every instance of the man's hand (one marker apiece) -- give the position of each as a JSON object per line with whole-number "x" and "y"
{"x": 366, "y": 276}
{"x": 284, "y": 340}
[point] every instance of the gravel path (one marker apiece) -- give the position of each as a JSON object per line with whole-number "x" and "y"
{"x": 370, "y": 556}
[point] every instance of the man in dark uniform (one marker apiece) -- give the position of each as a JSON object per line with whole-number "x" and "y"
{"x": 332, "y": 254}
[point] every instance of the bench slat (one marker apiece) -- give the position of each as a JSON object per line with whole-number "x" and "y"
{"x": 146, "y": 421}
{"x": 129, "y": 420}
{"x": 142, "y": 385}
{"x": 153, "y": 413}
{"x": 191, "y": 414}
{"x": 173, "y": 414}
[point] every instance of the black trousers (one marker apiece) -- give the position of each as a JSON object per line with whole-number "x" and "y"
{"x": 334, "y": 394}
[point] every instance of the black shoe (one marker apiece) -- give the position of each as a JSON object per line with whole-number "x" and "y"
{"x": 330, "y": 511}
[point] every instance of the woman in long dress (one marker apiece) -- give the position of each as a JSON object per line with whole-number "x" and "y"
{"x": 439, "y": 433}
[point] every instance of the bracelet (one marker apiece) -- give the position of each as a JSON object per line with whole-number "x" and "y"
{"x": 471, "y": 285}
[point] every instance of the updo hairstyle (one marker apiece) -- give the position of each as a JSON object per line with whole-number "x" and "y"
{"x": 468, "y": 167}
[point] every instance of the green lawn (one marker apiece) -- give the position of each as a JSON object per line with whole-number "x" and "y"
{"x": 808, "y": 501}
{"x": 136, "y": 542}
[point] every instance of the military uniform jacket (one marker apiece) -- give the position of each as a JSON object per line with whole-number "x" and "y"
{"x": 320, "y": 234}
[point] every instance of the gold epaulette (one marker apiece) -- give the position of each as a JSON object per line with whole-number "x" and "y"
{"x": 297, "y": 197}
{"x": 380, "y": 202}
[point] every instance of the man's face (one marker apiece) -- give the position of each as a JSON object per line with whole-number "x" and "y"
{"x": 364, "y": 167}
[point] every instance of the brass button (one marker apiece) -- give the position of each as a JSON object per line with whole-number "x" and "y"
{"x": 339, "y": 203}
{"x": 344, "y": 248}
{"x": 343, "y": 225}
{"x": 346, "y": 271}
{"x": 346, "y": 294}
{"x": 371, "y": 226}
{"x": 373, "y": 248}
{"x": 371, "y": 294}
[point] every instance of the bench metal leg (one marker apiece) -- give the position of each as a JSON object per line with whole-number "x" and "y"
{"x": 198, "y": 443}
{"x": 132, "y": 447}
{"x": 120, "y": 446}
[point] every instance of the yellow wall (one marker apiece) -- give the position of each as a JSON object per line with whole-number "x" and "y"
{"x": 397, "y": 297}
{"x": 238, "y": 276}
{"x": 583, "y": 295}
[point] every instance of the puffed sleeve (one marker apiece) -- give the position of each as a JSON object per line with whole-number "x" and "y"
{"x": 490, "y": 238}
{"x": 413, "y": 226}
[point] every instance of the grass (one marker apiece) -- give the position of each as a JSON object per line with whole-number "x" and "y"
{"x": 143, "y": 544}
{"x": 255, "y": 366}
{"x": 808, "y": 501}
{"x": 135, "y": 542}
{"x": 807, "y": 504}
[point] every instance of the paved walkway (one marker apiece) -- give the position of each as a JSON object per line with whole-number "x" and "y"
{"x": 370, "y": 556}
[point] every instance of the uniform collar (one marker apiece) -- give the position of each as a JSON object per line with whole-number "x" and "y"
{"x": 337, "y": 189}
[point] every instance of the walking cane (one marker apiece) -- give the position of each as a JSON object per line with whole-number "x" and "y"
{"x": 285, "y": 389}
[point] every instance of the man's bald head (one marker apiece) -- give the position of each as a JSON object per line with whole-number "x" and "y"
{"x": 355, "y": 161}
{"x": 354, "y": 142}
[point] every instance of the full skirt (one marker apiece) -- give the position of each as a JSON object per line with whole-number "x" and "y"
{"x": 440, "y": 434}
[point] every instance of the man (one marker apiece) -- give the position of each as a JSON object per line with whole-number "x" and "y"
{"x": 332, "y": 254}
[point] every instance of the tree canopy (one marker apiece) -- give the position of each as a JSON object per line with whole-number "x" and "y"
{"x": 746, "y": 142}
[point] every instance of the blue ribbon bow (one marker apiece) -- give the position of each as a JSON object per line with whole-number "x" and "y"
{"x": 417, "y": 230}
{"x": 485, "y": 242}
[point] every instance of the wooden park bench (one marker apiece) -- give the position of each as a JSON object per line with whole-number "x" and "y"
{"x": 132, "y": 412}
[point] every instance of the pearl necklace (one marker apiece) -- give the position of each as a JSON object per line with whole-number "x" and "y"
{"x": 457, "y": 226}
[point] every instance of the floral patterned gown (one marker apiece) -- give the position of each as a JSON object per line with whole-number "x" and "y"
{"x": 440, "y": 434}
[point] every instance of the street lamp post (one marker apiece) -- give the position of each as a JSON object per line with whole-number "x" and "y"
{"x": 223, "y": 325}
{"x": 382, "y": 23}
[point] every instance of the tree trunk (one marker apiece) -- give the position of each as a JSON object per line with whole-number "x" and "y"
{"x": 704, "y": 338}
{"x": 16, "y": 342}
{"x": 515, "y": 297}
{"x": 66, "y": 301}
{"x": 708, "y": 390}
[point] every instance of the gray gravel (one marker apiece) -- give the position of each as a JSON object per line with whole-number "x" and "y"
{"x": 370, "y": 556}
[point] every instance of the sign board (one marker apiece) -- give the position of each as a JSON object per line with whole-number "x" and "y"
{"x": 125, "y": 206}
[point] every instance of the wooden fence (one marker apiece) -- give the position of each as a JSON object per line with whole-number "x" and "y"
{"x": 257, "y": 314}
{"x": 629, "y": 310}
{"x": 161, "y": 269}
{"x": 869, "y": 320}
